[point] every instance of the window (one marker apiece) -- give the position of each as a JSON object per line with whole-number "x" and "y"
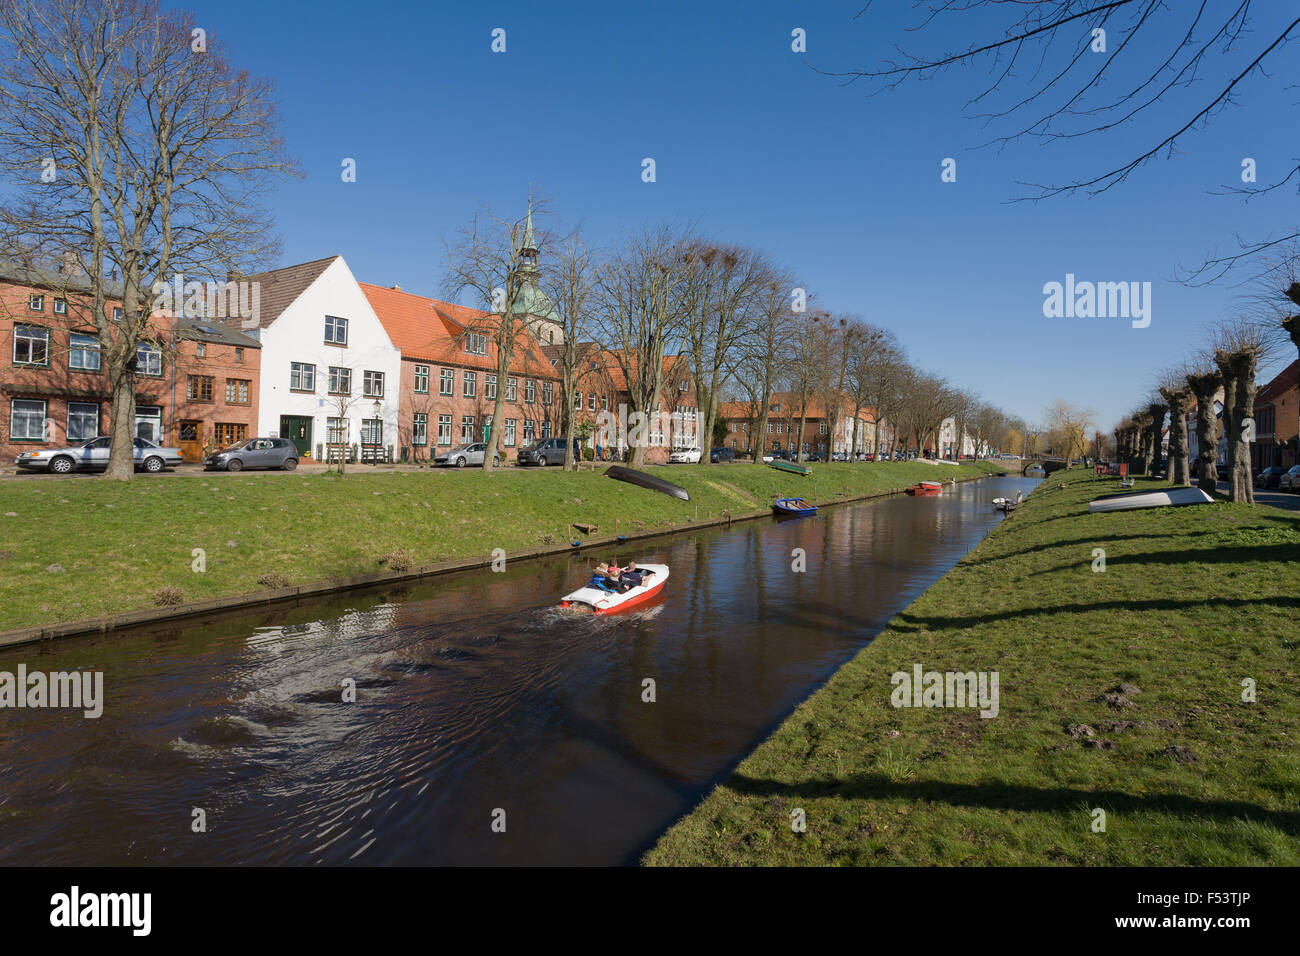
{"x": 577, "y": 402}
{"x": 83, "y": 353}
{"x": 546, "y": 429}
{"x": 475, "y": 344}
{"x": 444, "y": 429}
{"x": 682, "y": 385}
{"x": 31, "y": 345}
{"x": 508, "y": 433}
{"x": 548, "y": 392}
{"x": 470, "y": 384}
{"x": 372, "y": 384}
{"x": 528, "y": 429}
{"x": 201, "y": 350}
{"x": 36, "y": 303}
{"x": 591, "y": 402}
{"x": 336, "y": 330}
{"x": 467, "y": 428}
{"x": 336, "y": 431}
{"x": 372, "y": 431}
{"x": 422, "y": 379}
{"x": 340, "y": 380}
{"x": 239, "y": 355}
{"x": 226, "y": 434}
{"x": 822, "y": 428}
{"x": 490, "y": 385}
{"x": 530, "y": 391}
{"x": 302, "y": 377}
{"x": 27, "y": 420}
{"x": 83, "y": 421}
{"x": 512, "y": 389}
{"x": 199, "y": 388}
{"x": 148, "y": 360}
{"x": 446, "y": 381}
{"x": 117, "y": 313}
{"x": 238, "y": 391}
{"x": 61, "y": 307}
{"x": 420, "y": 427}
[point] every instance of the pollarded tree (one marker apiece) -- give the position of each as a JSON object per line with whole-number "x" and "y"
{"x": 1205, "y": 382}
{"x": 1176, "y": 392}
{"x": 1239, "y": 345}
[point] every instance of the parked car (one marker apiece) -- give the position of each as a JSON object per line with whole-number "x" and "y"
{"x": 1290, "y": 480}
{"x": 93, "y": 456}
{"x": 722, "y": 455}
{"x": 547, "y": 451}
{"x": 1222, "y": 469}
{"x": 781, "y": 455}
{"x": 685, "y": 456}
{"x": 814, "y": 456}
{"x": 462, "y": 455}
{"x": 1270, "y": 477}
{"x": 840, "y": 456}
{"x": 255, "y": 453}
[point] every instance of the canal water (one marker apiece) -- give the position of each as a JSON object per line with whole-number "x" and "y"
{"x": 476, "y": 702}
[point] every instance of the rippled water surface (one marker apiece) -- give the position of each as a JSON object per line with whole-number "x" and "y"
{"x": 472, "y": 695}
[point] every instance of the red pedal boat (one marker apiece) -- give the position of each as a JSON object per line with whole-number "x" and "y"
{"x": 598, "y": 601}
{"x": 925, "y": 488}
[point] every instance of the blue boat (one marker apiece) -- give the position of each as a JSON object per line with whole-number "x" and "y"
{"x": 795, "y": 507}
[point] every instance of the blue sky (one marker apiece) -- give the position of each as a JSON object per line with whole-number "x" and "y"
{"x": 756, "y": 147}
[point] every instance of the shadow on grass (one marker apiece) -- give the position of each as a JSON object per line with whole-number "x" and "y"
{"x": 906, "y": 622}
{"x": 999, "y": 796}
{"x": 1072, "y": 543}
{"x": 1211, "y": 555}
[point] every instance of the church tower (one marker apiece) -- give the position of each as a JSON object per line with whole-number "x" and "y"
{"x": 533, "y": 306}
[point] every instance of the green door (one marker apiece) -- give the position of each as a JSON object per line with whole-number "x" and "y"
{"x": 298, "y": 431}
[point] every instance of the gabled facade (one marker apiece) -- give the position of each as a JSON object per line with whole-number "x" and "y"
{"x": 783, "y": 414}
{"x": 330, "y": 372}
{"x": 449, "y": 380}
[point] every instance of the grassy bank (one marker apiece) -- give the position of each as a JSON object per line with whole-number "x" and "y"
{"x": 74, "y": 548}
{"x": 1192, "y": 601}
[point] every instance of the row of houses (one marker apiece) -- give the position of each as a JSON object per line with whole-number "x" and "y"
{"x": 336, "y": 365}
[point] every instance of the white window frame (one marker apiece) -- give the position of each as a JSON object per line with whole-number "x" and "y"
{"x": 340, "y": 326}
{"x": 302, "y": 370}
{"x": 40, "y": 419}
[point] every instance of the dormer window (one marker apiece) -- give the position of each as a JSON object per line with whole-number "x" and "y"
{"x": 475, "y": 343}
{"x": 336, "y": 330}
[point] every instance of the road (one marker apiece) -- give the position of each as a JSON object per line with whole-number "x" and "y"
{"x": 1287, "y": 500}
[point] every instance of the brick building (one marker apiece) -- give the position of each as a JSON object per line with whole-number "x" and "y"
{"x": 449, "y": 380}
{"x": 1277, "y": 427}
{"x": 742, "y": 420}
{"x": 196, "y": 385}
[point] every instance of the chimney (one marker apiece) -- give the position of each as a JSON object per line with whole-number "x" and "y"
{"x": 70, "y": 264}
{"x": 396, "y": 288}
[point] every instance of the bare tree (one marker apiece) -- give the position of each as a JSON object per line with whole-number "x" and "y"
{"x": 495, "y": 262}
{"x": 1177, "y": 393}
{"x": 1204, "y": 380}
{"x": 764, "y": 352}
{"x": 1239, "y": 345}
{"x": 641, "y": 294}
{"x": 136, "y": 147}
{"x": 1070, "y": 426}
{"x": 571, "y": 287}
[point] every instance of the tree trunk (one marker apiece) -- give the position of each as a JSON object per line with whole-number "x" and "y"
{"x": 122, "y": 427}
{"x": 1178, "y": 468}
{"x": 1157, "y": 432}
{"x": 1204, "y": 388}
{"x": 1238, "y": 369}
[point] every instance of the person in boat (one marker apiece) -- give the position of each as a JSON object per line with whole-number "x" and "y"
{"x": 614, "y": 579}
{"x": 632, "y": 575}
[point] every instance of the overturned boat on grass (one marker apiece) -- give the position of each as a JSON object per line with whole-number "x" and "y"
{"x": 1167, "y": 498}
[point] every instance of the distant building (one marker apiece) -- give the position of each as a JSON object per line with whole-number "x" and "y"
{"x": 1275, "y": 411}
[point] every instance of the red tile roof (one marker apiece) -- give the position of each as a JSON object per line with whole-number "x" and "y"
{"x": 428, "y": 330}
{"x": 1284, "y": 381}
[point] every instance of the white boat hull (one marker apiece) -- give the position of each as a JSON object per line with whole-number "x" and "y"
{"x": 1173, "y": 497}
{"x": 607, "y": 602}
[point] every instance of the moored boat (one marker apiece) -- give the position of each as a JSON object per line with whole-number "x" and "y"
{"x": 1171, "y": 497}
{"x": 925, "y": 488}
{"x": 796, "y": 507}
{"x": 596, "y": 599}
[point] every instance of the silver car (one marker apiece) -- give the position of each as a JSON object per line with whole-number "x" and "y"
{"x": 255, "y": 453}
{"x": 93, "y": 456}
{"x": 462, "y": 455}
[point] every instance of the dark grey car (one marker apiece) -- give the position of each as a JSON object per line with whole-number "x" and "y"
{"x": 548, "y": 451}
{"x": 255, "y": 453}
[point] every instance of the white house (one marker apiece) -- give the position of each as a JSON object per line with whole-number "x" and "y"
{"x": 948, "y": 447}
{"x": 330, "y": 374}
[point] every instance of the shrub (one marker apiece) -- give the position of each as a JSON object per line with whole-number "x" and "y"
{"x": 399, "y": 560}
{"x": 168, "y": 596}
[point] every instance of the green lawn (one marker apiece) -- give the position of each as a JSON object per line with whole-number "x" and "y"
{"x": 1192, "y": 601}
{"x": 73, "y": 548}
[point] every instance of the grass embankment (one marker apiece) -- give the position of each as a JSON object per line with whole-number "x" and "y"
{"x": 73, "y": 548}
{"x": 1192, "y": 601}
